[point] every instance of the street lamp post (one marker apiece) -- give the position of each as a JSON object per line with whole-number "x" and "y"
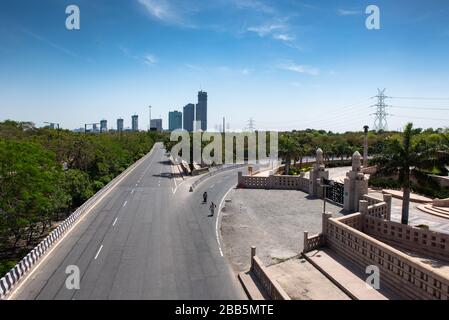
{"x": 325, "y": 186}
{"x": 365, "y": 146}
{"x": 149, "y": 124}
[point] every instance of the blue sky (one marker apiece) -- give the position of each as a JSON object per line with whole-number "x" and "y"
{"x": 287, "y": 64}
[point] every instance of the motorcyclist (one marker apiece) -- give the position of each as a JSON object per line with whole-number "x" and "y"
{"x": 212, "y": 209}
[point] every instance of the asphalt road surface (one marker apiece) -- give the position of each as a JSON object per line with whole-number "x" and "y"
{"x": 149, "y": 238}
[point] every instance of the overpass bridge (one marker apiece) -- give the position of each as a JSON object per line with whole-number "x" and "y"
{"x": 147, "y": 238}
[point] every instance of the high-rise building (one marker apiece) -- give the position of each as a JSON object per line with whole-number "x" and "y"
{"x": 189, "y": 117}
{"x": 104, "y": 126}
{"x": 135, "y": 123}
{"x": 174, "y": 120}
{"x": 201, "y": 110}
{"x": 120, "y": 125}
{"x": 156, "y": 124}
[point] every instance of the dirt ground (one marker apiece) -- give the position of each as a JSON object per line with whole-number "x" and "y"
{"x": 272, "y": 220}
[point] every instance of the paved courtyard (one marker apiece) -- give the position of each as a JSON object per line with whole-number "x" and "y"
{"x": 416, "y": 216}
{"x": 272, "y": 220}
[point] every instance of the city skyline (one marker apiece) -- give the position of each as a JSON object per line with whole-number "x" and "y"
{"x": 286, "y": 64}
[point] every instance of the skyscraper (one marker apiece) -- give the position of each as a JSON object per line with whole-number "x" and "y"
{"x": 120, "y": 125}
{"x": 174, "y": 120}
{"x": 201, "y": 110}
{"x": 104, "y": 126}
{"x": 135, "y": 123}
{"x": 189, "y": 117}
{"x": 156, "y": 124}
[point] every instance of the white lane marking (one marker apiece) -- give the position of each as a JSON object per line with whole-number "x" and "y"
{"x": 125, "y": 203}
{"x": 115, "y": 221}
{"x": 98, "y": 252}
{"x": 137, "y": 184}
{"x": 212, "y": 186}
{"x": 218, "y": 219}
{"x": 132, "y": 191}
{"x": 83, "y": 216}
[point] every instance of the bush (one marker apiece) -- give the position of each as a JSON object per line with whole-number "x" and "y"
{"x": 382, "y": 182}
{"x": 5, "y": 266}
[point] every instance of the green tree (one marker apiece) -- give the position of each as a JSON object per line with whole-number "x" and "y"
{"x": 288, "y": 149}
{"x": 31, "y": 188}
{"x": 406, "y": 156}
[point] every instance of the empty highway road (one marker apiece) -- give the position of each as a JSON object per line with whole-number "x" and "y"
{"x": 149, "y": 238}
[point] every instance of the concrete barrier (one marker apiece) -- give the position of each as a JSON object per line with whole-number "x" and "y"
{"x": 274, "y": 182}
{"x": 213, "y": 173}
{"x": 272, "y": 287}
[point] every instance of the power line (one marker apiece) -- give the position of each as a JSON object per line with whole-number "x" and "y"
{"x": 420, "y": 98}
{"x": 423, "y": 108}
{"x": 340, "y": 112}
{"x": 251, "y": 125}
{"x": 419, "y": 118}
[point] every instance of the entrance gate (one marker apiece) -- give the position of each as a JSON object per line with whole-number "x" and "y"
{"x": 334, "y": 191}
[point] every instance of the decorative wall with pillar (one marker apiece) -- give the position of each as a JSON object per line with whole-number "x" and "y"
{"x": 356, "y": 185}
{"x": 318, "y": 172}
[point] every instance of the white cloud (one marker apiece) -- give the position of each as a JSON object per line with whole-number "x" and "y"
{"x": 264, "y": 30}
{"x": 50, "y": 43}
{"x": 158, "y": 8}
{"x": 283, "y": 37}
{"x": 193, "y": 67}
{"x": 277, "y": 31}
{"x": 174, "y": 12}
{"x": 150, "y": 60}
{"x": 298, "y": 68}
{"x": 344, "y": 12}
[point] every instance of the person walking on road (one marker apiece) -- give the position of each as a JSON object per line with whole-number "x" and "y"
{"x": 205, "y": 197}
{"x": 212, "y": 209}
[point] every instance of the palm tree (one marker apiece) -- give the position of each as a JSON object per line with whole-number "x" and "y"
{"x": 288, "y": 148}
{"x": 407, "y": 157}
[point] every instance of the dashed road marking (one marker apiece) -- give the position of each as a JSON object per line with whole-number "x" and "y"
{"x": 98, "y": 252}
{"x": 115, "y": 221}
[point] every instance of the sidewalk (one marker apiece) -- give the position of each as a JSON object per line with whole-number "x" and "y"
{"x": 413, "y": 197}
{"x": 302, "y": 281}
{"x": 348, "y": 276}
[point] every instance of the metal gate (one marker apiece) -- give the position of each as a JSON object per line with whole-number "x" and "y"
{"x": 334, "y": 191}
